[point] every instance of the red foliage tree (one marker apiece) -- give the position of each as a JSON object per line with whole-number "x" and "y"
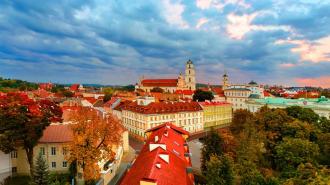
{"x": 22, "y": 121}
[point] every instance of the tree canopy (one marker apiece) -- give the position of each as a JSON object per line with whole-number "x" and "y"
{"x": 95, "y": 137}
{"x": 22, "y": 121}
{"x": 201, "y": 95}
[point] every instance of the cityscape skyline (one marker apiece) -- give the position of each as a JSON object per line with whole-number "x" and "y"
{"x": 280, "y": 42}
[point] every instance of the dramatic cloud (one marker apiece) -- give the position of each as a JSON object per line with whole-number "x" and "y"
{"x": 116, "y": 42}
{"x": 323, "y": 81}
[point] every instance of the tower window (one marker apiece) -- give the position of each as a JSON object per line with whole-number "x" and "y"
{"x": 189, "y": 79}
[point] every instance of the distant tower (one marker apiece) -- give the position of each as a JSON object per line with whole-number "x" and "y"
{"x": 190, "y": 76}
{"x": 181, "y": 83}
{"x": 225, "y": 81}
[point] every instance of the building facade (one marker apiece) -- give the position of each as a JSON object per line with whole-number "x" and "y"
{"x": 186, "y": 82}
{"x": 5, "y": 166}
{"x": 139, "y": 116}
{"x": 237, "y": 97}
{"x": 320, "y": 106}
{"x": 216, "y": 114}
{"x": 163, "y": 160}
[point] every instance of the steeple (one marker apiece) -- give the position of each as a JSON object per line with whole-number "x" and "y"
{"x": 225, "y": 80}
{"x": 190, "y": 76}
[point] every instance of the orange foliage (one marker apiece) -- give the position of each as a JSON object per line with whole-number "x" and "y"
{"x": 94, "y": 140}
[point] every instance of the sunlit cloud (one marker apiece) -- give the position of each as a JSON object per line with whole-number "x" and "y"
{"x": 313, "y": 51}
{"x": 239, "y": 25}
{"x": 218, "y": 4}
{"x": 201, "y": 22}
{"x": 323, "y": 81}
{"x": 173, "y": 13}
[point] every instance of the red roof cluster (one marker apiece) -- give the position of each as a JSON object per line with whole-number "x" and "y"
{"x": 163, "y": 107}
{"x": 184, "y": 92}
{"x": 214, "y": 103}
{"x": 163, "y": 160}
{"x": 74, "y": 87}
{"x": 45, "y": 86}
{"x": 159, "y": 82}
{"x": 57, "y": 134}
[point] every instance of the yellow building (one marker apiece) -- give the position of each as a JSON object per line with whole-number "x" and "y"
{"x": 216, "y": 114}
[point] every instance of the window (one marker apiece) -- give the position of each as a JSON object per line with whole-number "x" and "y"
{"x": 14, "y": 169}
{"x": 53, "y": 152}
{"x": 65, "y": 151}
{"x": 13, "y": 154}
{"x": 42, "y": 150}
{"x": 65, "y": 164}
{"x": 53, "y": 164}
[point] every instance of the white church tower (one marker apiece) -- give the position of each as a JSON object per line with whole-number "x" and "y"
{"x": 190, "y": 76}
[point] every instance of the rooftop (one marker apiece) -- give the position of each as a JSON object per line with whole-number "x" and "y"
{"x": 163, "y": 107}
{"x": 57, "y": 134}
{"x": 163, "y": 160}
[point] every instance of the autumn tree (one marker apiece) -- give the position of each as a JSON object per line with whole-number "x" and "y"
{"x": 211, "y": 146}
{"x": 294, "y": 151}
{"x": 22, "y": 121}
{"x": 240, "y": 118}
{"x": 219, "y": 170}
{"x": 94, "y": 140}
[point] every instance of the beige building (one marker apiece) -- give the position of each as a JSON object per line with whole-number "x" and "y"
{"x": 187, "y": 82}
{"x": 216, "y": 114}
{"x": 54, "y": 146}
{"x": 237, "y": 97}
{"x": 139, "y": 116}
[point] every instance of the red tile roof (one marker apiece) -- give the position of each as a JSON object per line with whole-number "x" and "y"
{"x": 159, "y": 82}
{"x": 57, "y": 134}
{"x": 163, "y": 107}
{"x": 184, "y": 92}
{"x": 110, "y": 102}
{"x": 149, "y": 166}
{"x": 90, "y": 99}
{"x": 74, "y": 87}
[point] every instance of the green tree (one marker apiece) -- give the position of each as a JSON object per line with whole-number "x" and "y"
{"x": 201, "y": 96}
{"x": 219, "y": 170}
{"x": 294, "y": 151}
{"x": 40, "y": 172}
{"x": 303, "y": 114}
{"x": 107, "y": 97}
{"x": 211, "y": 146}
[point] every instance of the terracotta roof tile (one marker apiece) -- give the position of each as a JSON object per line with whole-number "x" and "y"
{"x": 163, "y": 107}
{"x": 166, "y": 173}
{"x": 57, "y": 134}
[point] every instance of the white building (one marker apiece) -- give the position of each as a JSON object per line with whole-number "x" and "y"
{"x": 5, "y": 166}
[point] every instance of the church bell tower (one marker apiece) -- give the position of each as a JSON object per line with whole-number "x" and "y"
{"x": 190, "y": 79}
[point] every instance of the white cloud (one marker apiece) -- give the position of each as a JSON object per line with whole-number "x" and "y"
{"x": 201, "y": 22}
{"x": 206, "y": 4}
{"x": 238, "y": 26}
{"x": 173, "y": 13}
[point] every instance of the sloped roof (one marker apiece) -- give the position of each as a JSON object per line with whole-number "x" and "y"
{"x": 163, "y": 107}
{"x": 57, "y": 134}
{"x": 149, "y": 166}
{"x": 159, "y": 82}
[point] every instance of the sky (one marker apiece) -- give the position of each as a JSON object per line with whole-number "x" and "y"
{"x": 116, "y": 42}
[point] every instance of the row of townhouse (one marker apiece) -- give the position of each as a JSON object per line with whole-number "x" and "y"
{"x": 145, "y": 113}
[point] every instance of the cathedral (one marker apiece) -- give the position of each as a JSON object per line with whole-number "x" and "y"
{"x": 186, "y": 82}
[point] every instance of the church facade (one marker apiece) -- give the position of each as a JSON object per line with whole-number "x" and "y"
{"x": 186, "y": 82}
